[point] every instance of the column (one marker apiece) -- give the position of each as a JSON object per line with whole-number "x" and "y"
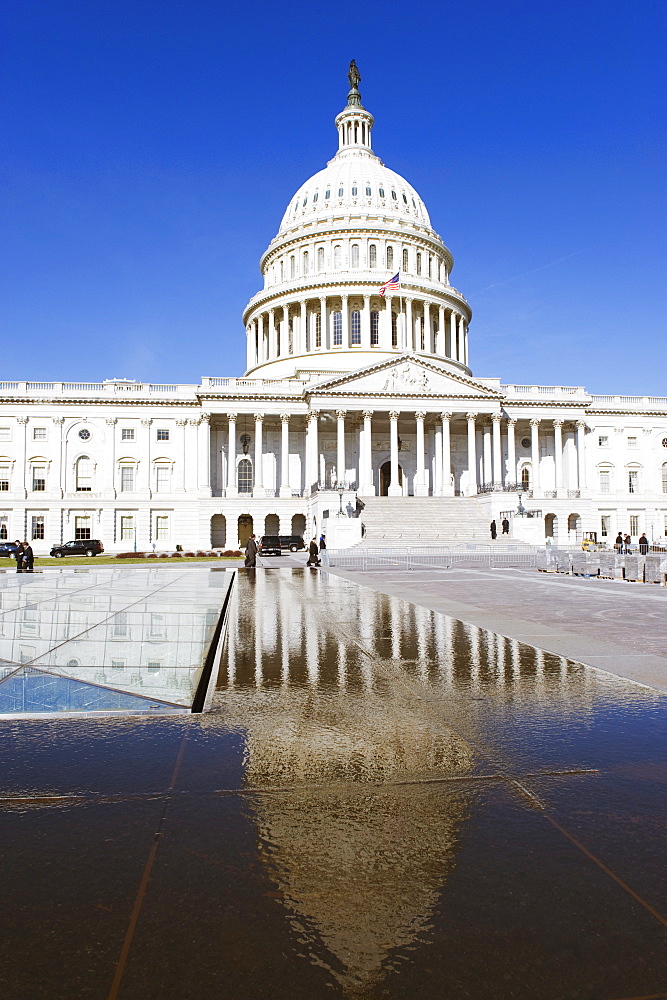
{"x": 420, "y": 489}
{"x": 284, "y": 335}
{"x": 285, "y": 488}
{"x": 323, "y": 325}
{"x": 486, "y": 451}
{"x": 250, "y": 347}
{"x": 472, "y": 456}
{"x": 300, "y": 342}
{"x": 511, "y": 451}
{"x": 145, "y": 452}
{"x": 204, "y": 462}
{"x": 109, "y": 487}
{"x": 497, "y": 454}
{"x": 558, "y": 455}
{"x": 535, "y": 454}
{"x": 340, "y": 449}
{"x": 366, "y": 324}
{"x": 395, "y": 489}
{"x": 191, "y": 478}
{"x": 368, "y": 487}
{"x": 385, "y": 340}
{"x": 581, "y": 458}
{"x": 258, "y": 490}
{"x": 438, "y": 480}
{"x": 440, "y": 337}
{"x": 273, "y": 339}
{"x": 453, "y": 345}
{"x": 361, "y": 451}
{"x": 232, "y": 489}
{"x": 21, "y": 470}
{"x": 409, "y": 327}
{"x": 180, "y": 466}
{"x": 312, "y": 448}
{"x": 447, "y": 483}
{"x": 427, "y": 328}
{"x": 345, "y": 321}
{"x": 56, "y": 484}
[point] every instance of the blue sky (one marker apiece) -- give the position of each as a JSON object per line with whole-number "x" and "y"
{"x": 150, "y": 148}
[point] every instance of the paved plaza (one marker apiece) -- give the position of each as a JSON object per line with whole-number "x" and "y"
{"x": 385, "y": 801}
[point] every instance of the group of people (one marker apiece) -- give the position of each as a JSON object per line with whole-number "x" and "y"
{"x": 251, "y": 552}
{"x": 494, "y": 527}
{"x": 623, "y": 543}
{"x": 25, "y": 557}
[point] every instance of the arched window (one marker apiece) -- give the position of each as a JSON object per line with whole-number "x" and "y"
{"x": 292, "y": 266}
{"x": 605, "y": 480}
{"x": 337, "y": 257}
{"x": 664, "y": 478}
{"x": 633, "y": 481}
{"x": 372, "y": 255}
{"x": 320, "y": 258}
{"x": 354, "y": 255}
{"x": 405, "y": 260}
{"x": 318, "y": 330}
{"x": 394, "y": 196}
{"x": 305, "y": 261}
{"x": 422, "y": 340}
{"x": 382, "y": 192}
{"x": 340, "y": 191}
{"x": 305, "y": 201}
{"x": 337, "y": 329}
{"x": 315, "y": 197}
{"x": 419, "y": 263}
{"x": 244, "y": 477}
{"x": 390, "y": 258}
{"x": 405, "y": 198}
{"x": 368, "y": 190}
{"x": 327, "y": 194}
{"x": 375, "y": 329}
{"x": 430, "y": 266}
{"x": 394, "y": 329}
{"x": 355, "y": 328}
{"x": 282, "y": 270}
{"x": 84, "y": 475}
{"x": 354, "y": 190}
{"x": 525, "y": 478}
{"x": 3, "y": 530}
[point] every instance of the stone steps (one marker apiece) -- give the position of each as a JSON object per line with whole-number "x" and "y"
{"x": 423, "y": 521}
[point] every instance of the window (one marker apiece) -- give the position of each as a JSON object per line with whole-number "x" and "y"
{"x": 605, "y": 481}
{"x": 405, "y": 260}
{"x": 282, "y": 270}
{"x": 634, "y": 524}
{"x": 126, "y": 528}
{"x": 422, "y": 334}
{"x": 633, "y": 485}
{"x": 355, "y": 328}
{"x": 37, "y": 532}
{"x": 153, "y": 666}
{"x": 337, "y": 257}
{"x": 340, "y": 191}
{"x": 117, "y": 664}
{"x": 354, "y": 255}
{"x": 525, "y": 478}
{"x": 337, "y": 329}
{"x": 318, "y": 330}
{"x": 305, "y": 201}
{"x": 3, "y": 529}
{"x": 292, "y": 266}
{"x": 372, "y": 256}
{"x": 161, "y": 527}
{"x": 127, "y": 434}
{"x": 430, "y": 267}
{"x": 375, "y": 329}
{"x": 354, "y": 190}
{"x": 368, "y": 190}
{"x": 5, "y": 433}
{"x": 327, "y": 194}
{"x": 84, "y": 433}
{"x": 394, "y": 329}
{"x": 605, "y": 525}
{"x": 157, "y": 628}
{"x": 126, "y": 478}
{"x": 39, "y": 478}
{"x": 664, "y": 479}
{"x": 82, "y": 528}
{"x": 162, "y": 434}
{"x": 405, "y": 200}
{"x": 632, "y": 442}
{"x": 119, "y": 630}
{"x": 419, "y": 263}
{"x": 394, "y": 196}
{"x": 39, "y": 433}
{"x": 304, "y": 259}
{"x": 320, "y": 258}
{"x": 84, "y": 475}
{"x": 244, "y": 476}
{"x": 4, "y": 478}
{"x": 603, "y": 441}
{"x": 390, "y": 258}
{"x": 162, "y": 478}
{"x": 382, "y": 192}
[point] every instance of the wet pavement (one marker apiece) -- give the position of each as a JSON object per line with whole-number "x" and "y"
{"x": 384, "y": 803}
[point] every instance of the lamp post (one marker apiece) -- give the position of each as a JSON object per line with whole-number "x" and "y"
{"x": 341, "y": 490}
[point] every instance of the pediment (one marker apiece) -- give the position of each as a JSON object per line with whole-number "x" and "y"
{"x": 409, "y": 377}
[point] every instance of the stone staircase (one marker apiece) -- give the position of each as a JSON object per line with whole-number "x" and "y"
{"x": 402, "y": 521}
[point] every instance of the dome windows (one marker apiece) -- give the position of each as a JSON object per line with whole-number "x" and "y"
{"x": 354, "y": 255}
{"x": 292, "y": 267}
{"x": 337, "y": 318}
{"x": 405, "y": 260}
{"x": 305, "y": 261}
{"x": 368, "y": 190}
{"x": 337, "y": 257}
{"x": 320, "y": 258}
{"x": 375, "y": 329}
{"x": 419, "y": 263}
{"x": 372, "y": 256}
{"x": 327, "y": 194}
{"x": 341, "y": 189}
{"x": 394, "y": 196}
{"x": 354, "y": 190}
{"x": 381, "y": 190}
{"x": 405, "y": 198}
{"x": 355, "y": 328}
{"x": 305, "y": 201}
{"x": 315, "y": 197}
{"x": 390, "y": 258}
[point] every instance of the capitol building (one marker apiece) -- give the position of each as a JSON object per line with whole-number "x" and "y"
{"x": 356, "y": 386}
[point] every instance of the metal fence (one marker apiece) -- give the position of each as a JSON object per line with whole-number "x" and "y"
{"x": 650, "y": 568}
{"x": 417, "y": 557}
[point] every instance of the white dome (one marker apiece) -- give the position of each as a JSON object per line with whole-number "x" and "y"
{"x": 355, "y": 182}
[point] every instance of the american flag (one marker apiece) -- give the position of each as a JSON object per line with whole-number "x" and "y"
{"x": 392, "y": 285}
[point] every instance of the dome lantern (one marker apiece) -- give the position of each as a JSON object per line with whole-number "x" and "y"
{"x": 354, "y": 123}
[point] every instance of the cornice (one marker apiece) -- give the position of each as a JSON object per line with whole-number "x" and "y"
{"x": 96, "y": 401}
{"x": 294, "y": 240}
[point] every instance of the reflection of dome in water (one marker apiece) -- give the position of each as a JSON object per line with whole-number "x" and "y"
{"x": 361, "y": 866}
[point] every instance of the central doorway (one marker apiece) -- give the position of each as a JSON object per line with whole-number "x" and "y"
{"x": 245, "y": 529}
{"x": 385, "y": 478}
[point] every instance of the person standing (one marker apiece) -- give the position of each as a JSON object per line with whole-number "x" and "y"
{"x": 627, "y": 542}
{"x": 28, "y": 558}
{"x": 18, "y": 555}
{"x": 494, "y": 529}
{"x": 251, "y": 553}
{"x": 618, "y": 544}
{"x": 506, "y": 526}
{"x": 313, "y": 554}
{"x": 323, "y": 543}
{"x": 643, "y": 544}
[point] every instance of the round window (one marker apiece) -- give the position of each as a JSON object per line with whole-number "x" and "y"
{"x": 664, "y": 442}
{"x": 84, "y": 434}
{"x": 525, "y": 442}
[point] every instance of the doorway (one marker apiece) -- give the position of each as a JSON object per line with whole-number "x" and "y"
{"x": 385, "y": 478}
{"x": 245, "y": 529}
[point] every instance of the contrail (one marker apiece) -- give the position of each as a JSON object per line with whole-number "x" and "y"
{"x": 542, "y": 267}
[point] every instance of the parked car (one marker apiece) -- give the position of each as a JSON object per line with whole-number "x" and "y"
{"x": 292, "y": 542}
{"x": 269, "y": 545}
{"x": 8, "y": 549}
{"x": 81, "y": 547}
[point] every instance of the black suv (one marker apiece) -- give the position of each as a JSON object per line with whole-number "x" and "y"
{"x": 82, "y": 547}
{"x": 292, "y": 542}
{"x": 269, "y": 545}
